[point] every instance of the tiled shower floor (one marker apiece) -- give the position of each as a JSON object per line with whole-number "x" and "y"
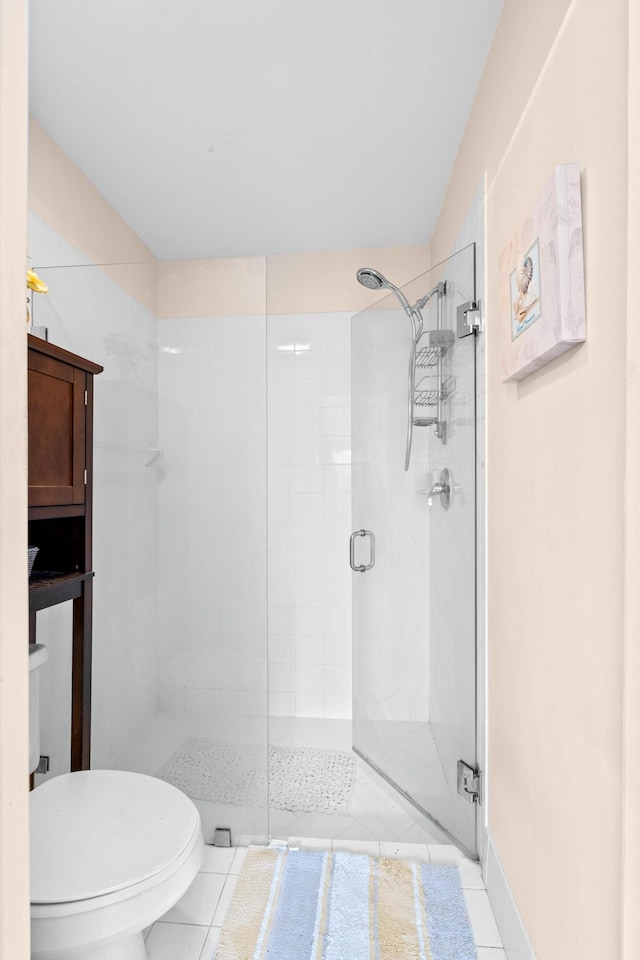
{"x": 378, "y": 813}
{"x": 190, "y": 930}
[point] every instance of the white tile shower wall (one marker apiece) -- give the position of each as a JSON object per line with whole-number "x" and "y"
{"x": 213, "y": 509}
{"x": 512, "y": 931}
{"x": 309, "y": 490}
{"x": 90, "y": 314}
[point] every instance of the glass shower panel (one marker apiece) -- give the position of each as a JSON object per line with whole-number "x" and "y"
{"x": 213, "y": 567}
{"x": 414, "y": 640}
{"x": 91, "y": 311}
{"x": 180, "y": 615}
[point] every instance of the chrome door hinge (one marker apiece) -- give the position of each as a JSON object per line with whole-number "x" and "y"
{"x": 85, "y": 476}
{"x": 469, "y": 318}
{"x": 469, "y": 782}
{"x": 86, "y": 399}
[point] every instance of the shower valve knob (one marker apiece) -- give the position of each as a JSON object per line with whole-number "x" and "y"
{"x": 436, "y": 489}
{"x": 443, "y": 489}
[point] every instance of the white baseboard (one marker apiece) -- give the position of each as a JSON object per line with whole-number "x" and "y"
{"x": 514, "y": 936}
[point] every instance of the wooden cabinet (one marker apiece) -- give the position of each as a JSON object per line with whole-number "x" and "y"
{"x": 60, "y": 510}
{"x": 57, "y": 431}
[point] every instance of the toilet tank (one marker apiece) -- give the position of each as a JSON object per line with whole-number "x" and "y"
{"x": 37, "y": 656}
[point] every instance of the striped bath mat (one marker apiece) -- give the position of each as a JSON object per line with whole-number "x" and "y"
{"x": 318, "y": 905}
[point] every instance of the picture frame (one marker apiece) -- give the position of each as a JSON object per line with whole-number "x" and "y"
{"x": 541, "y": 273}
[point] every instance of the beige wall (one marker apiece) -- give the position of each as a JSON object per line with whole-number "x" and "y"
{"x": 14, "y": 861}
{"x": 556, "y": 465}
{"x": 631, "y": 808}
{"x": 324, "y": 282}
{"x": 286, "y": 283}
{"x": 226, "y": 287}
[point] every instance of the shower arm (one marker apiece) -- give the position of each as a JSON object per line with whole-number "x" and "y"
{"x": 415, "y": 312}
{"x": 423, "y": 301}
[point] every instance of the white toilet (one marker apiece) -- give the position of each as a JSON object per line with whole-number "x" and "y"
{"x": 111, "y": 852}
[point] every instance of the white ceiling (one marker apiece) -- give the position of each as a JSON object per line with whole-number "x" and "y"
{"x": 237, "y": 127}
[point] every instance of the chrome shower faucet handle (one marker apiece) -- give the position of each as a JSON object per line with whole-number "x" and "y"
{"x": 442, "y": 488}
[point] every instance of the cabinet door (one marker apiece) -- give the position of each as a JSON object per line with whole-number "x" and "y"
{"x": 56, "y": 432}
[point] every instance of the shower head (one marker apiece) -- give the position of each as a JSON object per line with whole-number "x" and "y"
{"x": 371, "y": 279}
{"x": 374, "y": 280}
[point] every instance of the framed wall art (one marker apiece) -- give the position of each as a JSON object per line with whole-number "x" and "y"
{"x": 542, "y": 304}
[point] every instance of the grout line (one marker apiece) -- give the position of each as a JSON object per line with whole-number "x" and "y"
{"x": 227, "y": 875}
{"x": 180, "y": 923}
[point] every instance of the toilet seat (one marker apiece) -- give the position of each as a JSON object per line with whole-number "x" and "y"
{"x": 137, "y": 825}
{"x": 97, "y": 833}
{"x": 124, "y": 847}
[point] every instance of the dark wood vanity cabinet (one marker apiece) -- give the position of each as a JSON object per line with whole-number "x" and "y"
{"x": 60, "y": 510}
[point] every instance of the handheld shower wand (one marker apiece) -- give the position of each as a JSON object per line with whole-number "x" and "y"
{"x": 374, "y": 280}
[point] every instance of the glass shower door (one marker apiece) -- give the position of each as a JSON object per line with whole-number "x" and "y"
{"x": 414, "y": 632}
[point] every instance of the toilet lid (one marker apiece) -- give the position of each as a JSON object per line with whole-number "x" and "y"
{"x": 97, "y": 831}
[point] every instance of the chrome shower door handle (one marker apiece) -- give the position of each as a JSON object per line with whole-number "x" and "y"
{"x": 361, "y": 567}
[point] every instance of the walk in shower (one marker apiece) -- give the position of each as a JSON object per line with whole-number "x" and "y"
{"x": 414, "y": 496}
{"x": 235, "y": 456}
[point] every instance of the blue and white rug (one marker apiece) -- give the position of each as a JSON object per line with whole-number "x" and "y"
{"x": 323, "y": 905}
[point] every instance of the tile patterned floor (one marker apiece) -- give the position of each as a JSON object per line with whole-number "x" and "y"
{"x": 190, "y": 930}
